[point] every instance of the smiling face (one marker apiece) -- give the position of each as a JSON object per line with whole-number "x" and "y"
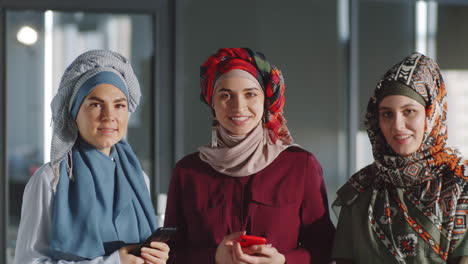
{"x": 402, "y": 121}
{"x": 103, "y": 117}
{"x": 238, "y": 103}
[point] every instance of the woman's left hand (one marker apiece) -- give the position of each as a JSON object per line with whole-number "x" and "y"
{"x": 257, "y": 254}
{"x": 158, "y": 253}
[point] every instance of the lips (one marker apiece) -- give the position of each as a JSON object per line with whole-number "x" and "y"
{"x": 239, "y": 120}
{"x": 402, "y": 139}
{"x": 106, "y": 130}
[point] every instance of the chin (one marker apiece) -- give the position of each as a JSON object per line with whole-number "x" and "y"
{"x": 405, "y": 152}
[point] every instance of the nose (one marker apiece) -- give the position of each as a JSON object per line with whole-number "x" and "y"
{"x": 107, "y": 113}
{"x": 399, "y": 122}
{"x": 238, "y": 102}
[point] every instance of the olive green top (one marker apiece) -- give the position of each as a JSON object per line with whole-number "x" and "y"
{"x": 356, "y": 241}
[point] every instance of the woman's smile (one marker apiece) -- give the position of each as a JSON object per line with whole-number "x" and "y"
{"x": 403, "y": 139}
{"x": 107, "y": 131}
{"x": 240, "y": 120}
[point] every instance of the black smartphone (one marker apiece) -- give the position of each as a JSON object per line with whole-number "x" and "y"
{"x": 162, "y": 234}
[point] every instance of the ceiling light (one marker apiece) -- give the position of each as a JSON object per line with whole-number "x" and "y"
{"x": 27, "y": 35}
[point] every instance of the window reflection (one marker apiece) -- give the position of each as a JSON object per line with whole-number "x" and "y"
{"x": 457, "y": 120}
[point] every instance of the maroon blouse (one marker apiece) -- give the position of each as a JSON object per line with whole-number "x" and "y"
{"x": 285, "y": 202}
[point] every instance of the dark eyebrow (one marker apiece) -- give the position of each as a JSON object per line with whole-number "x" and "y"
{"x": 250, "y": 89}
{"x": 245, "y": 89}
{"x": 224, "y": 90}
{"x": 120, "y": 100}
{"x": 404, "y": 106}
{"x": 95, "y": 98}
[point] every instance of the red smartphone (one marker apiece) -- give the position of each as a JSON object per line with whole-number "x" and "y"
{"x": 162, "y": 234}
{"x": 247, "y": 241}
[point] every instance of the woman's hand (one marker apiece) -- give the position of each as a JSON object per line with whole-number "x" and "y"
{"x": 223, "y": 253}
{"x": 257, "y": 254}
{"x": 127, "y": 258}
{"x": 229, "y": 251}
{"x": 158, "y": 253}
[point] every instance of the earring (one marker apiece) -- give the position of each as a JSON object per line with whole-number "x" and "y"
{"x": 214, "y": 133}
{"x": 265, "y": 118}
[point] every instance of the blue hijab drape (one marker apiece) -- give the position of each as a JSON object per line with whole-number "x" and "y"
{"x": 106, "y": 206}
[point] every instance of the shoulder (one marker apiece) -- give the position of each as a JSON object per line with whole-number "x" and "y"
{"x": 296, "y": 155}
{"x": 357, "y": 184}
{"x": 192, "y": 165}
{"x": 189, "y": 161}
{"x": 296, "y": 152}
{"x": 44, "y": 176}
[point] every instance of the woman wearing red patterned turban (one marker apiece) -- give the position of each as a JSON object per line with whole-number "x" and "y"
{"x": 251, "y": 179}
{"x": 411, "y": 204}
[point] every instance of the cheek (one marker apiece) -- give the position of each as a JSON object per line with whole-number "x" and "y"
{"x": 219, "y": 109}
{"x": 259, "y": 106}
{"x": 259, "y": 110}
{"x": 421, "y": 127}
{"x": 384, "y": 128}
{"x": 123, "y": 118}
{"x": 83, "y": 120}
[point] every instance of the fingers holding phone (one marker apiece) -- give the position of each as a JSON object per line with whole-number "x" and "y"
{"x": 254, "y": 249}
{"x": 126, "y": 257}
{"x": 257, "y": 254}
{"x": 162, "y": 234}
{"x": 223, "y": 251}
{"x": 156, "y": 253}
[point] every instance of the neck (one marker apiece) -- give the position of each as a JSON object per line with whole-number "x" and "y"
{"x": 106, "y": 151}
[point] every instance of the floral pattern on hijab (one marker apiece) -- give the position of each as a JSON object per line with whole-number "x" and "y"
{"x": 269, "y": 77}
{"x": 425, "y": 192}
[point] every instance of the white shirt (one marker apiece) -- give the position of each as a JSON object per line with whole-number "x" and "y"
{"x": 33, "y": 243}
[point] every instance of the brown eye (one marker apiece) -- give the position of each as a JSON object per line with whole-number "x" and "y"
{"x": 95, "y": 105}
{"x": 385, "y": 114}
{"x": 224, "y": 96}
{"x": 409, "y": 111}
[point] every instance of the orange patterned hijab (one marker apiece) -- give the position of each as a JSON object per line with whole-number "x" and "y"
{"x": 421, "y": 74}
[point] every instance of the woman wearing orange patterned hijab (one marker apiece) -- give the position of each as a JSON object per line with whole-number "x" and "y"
{"x": 410, "y": 205}
{"x": 250, "y": 179}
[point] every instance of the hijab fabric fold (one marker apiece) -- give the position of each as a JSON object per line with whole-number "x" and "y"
{"x": 240, "y": 156}
{"x": 415, "y": 197}
{"x": 106, "y": 206}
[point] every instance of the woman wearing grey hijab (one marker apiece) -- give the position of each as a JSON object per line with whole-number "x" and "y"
{"x": 91, "y": 203}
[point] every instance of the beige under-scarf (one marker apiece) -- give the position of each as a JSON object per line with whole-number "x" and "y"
{"x": 240, "y": 156}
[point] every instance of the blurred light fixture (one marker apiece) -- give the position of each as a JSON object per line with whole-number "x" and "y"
{"x": 27, "y": 35}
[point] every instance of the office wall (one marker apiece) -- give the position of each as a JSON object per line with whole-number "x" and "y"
{"x": 452, "y": 22}
{"x": 386, "y": 36}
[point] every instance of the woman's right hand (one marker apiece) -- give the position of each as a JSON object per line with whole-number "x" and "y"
{"x": 223, "y": 253}
{"x": 127, "y": 258}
